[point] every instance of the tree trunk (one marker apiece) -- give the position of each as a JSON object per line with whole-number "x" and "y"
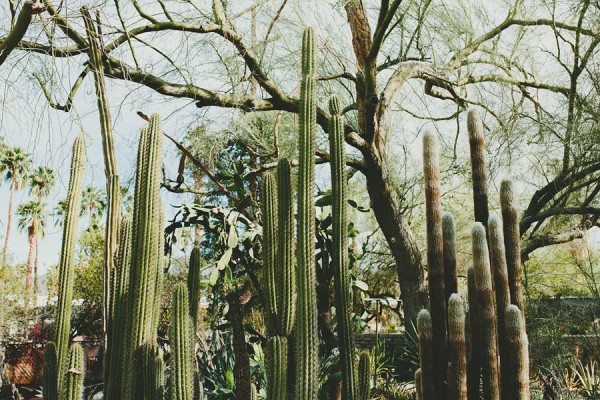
{"x": 30, "y": 258}
{"x": 35, "y": 268}
{"x": 13, "y": 185}
{"x": 413, "y": 287}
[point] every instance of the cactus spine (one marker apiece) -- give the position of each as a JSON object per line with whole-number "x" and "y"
{"x": 510, "y": 221}
{"x": 498, "y": 262}
{"x": 343, "y": 291}
{"x": 518, "y": 354}
{"x": 457, "y": 349}
{"x": 435, "y": 260}
{"x": 364, "y": 375}
{"x": 73, "y": 384}
{"x": 486, "y": 313}
{"x": 478, "y": 166}
{"x": 426, "y": 355}
{"x": 66, "y": 266}
{"x": 450, "y": 268}
{"x": 194, "y": 280}
{"x": 307, "y": 341}
{"x": 50, "y": 388}
{"x": 182, "y": 385}
{"x": 146, "y": 268}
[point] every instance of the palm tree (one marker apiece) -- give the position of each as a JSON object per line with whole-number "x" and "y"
{"x": 41, "y": 183}
{"x": 33, "y": 219}
{"x": 93, "y": 204}
{"x": 15, "y": 164}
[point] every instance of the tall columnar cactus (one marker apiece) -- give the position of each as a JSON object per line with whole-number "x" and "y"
{"x": 518, "y": 354}
{"x": 498, "y": 262}
{"x": 66, "y": 267}
{"x": 343, "y": 290}
{"x": 72, "y": 388}
{"x": 182, "y": 385}
{"x": 307, "y": 340}
{"x": 426, "y": 355}
{"x": 457, "y": 349}
{"x": 478, "y": 166}
{"x": 193, "y": 282}
{"x": 115, "y": 345}
{"x": 153, "y": 372}
{"x": 486, "y": 313}
{"x": 364, "y": 376}
{"x": 277, "y": 358}
{"x": 146, "y": 265}
{"x": 268, "y": 193}
{"x": 474, "y": 364}
{"x": 450, "y": 268}
{"x": 435, "y": 260}
{"x": 50, "y": 388}
{"x": 510, "y": 221}
{"x": 286, "y": 274}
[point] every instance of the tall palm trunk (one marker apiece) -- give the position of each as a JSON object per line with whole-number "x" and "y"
{"x": 13, "y": 187}
{"x": 35, "y": 268}
{"x": 30, "y": 257}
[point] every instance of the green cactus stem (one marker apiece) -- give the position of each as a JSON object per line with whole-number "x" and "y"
{"x": 500, "y": 273}
{"x": 518, "y": 350}
{"x": 435, "y": 260}
{"x": 66, "y": 266}
{"x": 306, "y": 339}
{"x": 512, "y": 244}
{"x": 343, "y": 289}
{"x": 424, "y": 327}
{"x": 277, "y": 356}
{"x": 450, "y": 268}
{"x": 286, "y": 274}
{"x": 146, "y": 264}
{"x": 75, "y": 373}
{"x": 364, "y": 376}
{"x": 182, "y": 385}
{"x": 268, "y": 193}
{"x": 486, "y": 313}
{"x": 478, "y": 166}
{"x": 457, "y": 349}
{"x": 153, "y": 371}
{"x": 474, "y": 364}
{"x": 194, "y": 282}
{"x": 50, "y": 373}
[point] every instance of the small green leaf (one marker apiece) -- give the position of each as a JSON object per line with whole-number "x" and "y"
{"x": 214, "y": 276}
{"x": 361, "y": 285}
{"x": 224, "y": 260}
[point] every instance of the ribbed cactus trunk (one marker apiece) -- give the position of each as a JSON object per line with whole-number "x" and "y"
{"x": 339, "y": 252}
{"x": 307, "y": 340}
{"x": 268, "y": 194}
{"x": 518, "y": 352}
{"x": 50, "y": 373}
{"x": 193, "y": 282}
{"x": 426, "y": 355}
{"x": 457, "y": 349}
{"x": 153, "y": 370}
{"x": 418, "y": 385}
{"x": 364, "y": 376}
{"x": 276, "y": 359}
{"x": 498, "y": 262}
{"x": 486, "y": 314}
{"x": 510, "y": 221}
{"x": 474, "y": 364}
{"x": 478, "y": 166}
{"x": 450, "y": 267}
{"x": 146, "y": 262}
{"x": 115, "y": 345}
{"x": 66, "y": 266}
{"x": 435, "y": 260}
{"x": 182, "y": 380}
{"x": 75, "y": 373}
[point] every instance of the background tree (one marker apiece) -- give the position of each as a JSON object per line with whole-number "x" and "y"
{"x": 33, "y": 220}
{"x": 16, "y": 168}
{"x": 41, "y": 183}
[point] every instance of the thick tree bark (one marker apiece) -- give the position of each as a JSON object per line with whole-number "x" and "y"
{"x": 30, "y": 258}
{"x": 413, "y": 287}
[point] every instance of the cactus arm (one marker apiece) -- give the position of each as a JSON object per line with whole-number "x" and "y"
{"x": 474, "y": 364}
{"x": 268, "y": 192}
{"x": 364, "y": 376}
{"x": 426, "y": 355}
{"x": 75, "y": 373}
{"x": 182, "y": 385}
{"x": 435, "y": 258}
{"x": 518, "y": 350}
{"x": 450, "y": 268}
{"x": 457, "y": 349}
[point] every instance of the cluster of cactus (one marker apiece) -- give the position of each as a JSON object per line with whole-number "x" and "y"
{"x": 286, "y": 280}
{"x": 498, "y": 354}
